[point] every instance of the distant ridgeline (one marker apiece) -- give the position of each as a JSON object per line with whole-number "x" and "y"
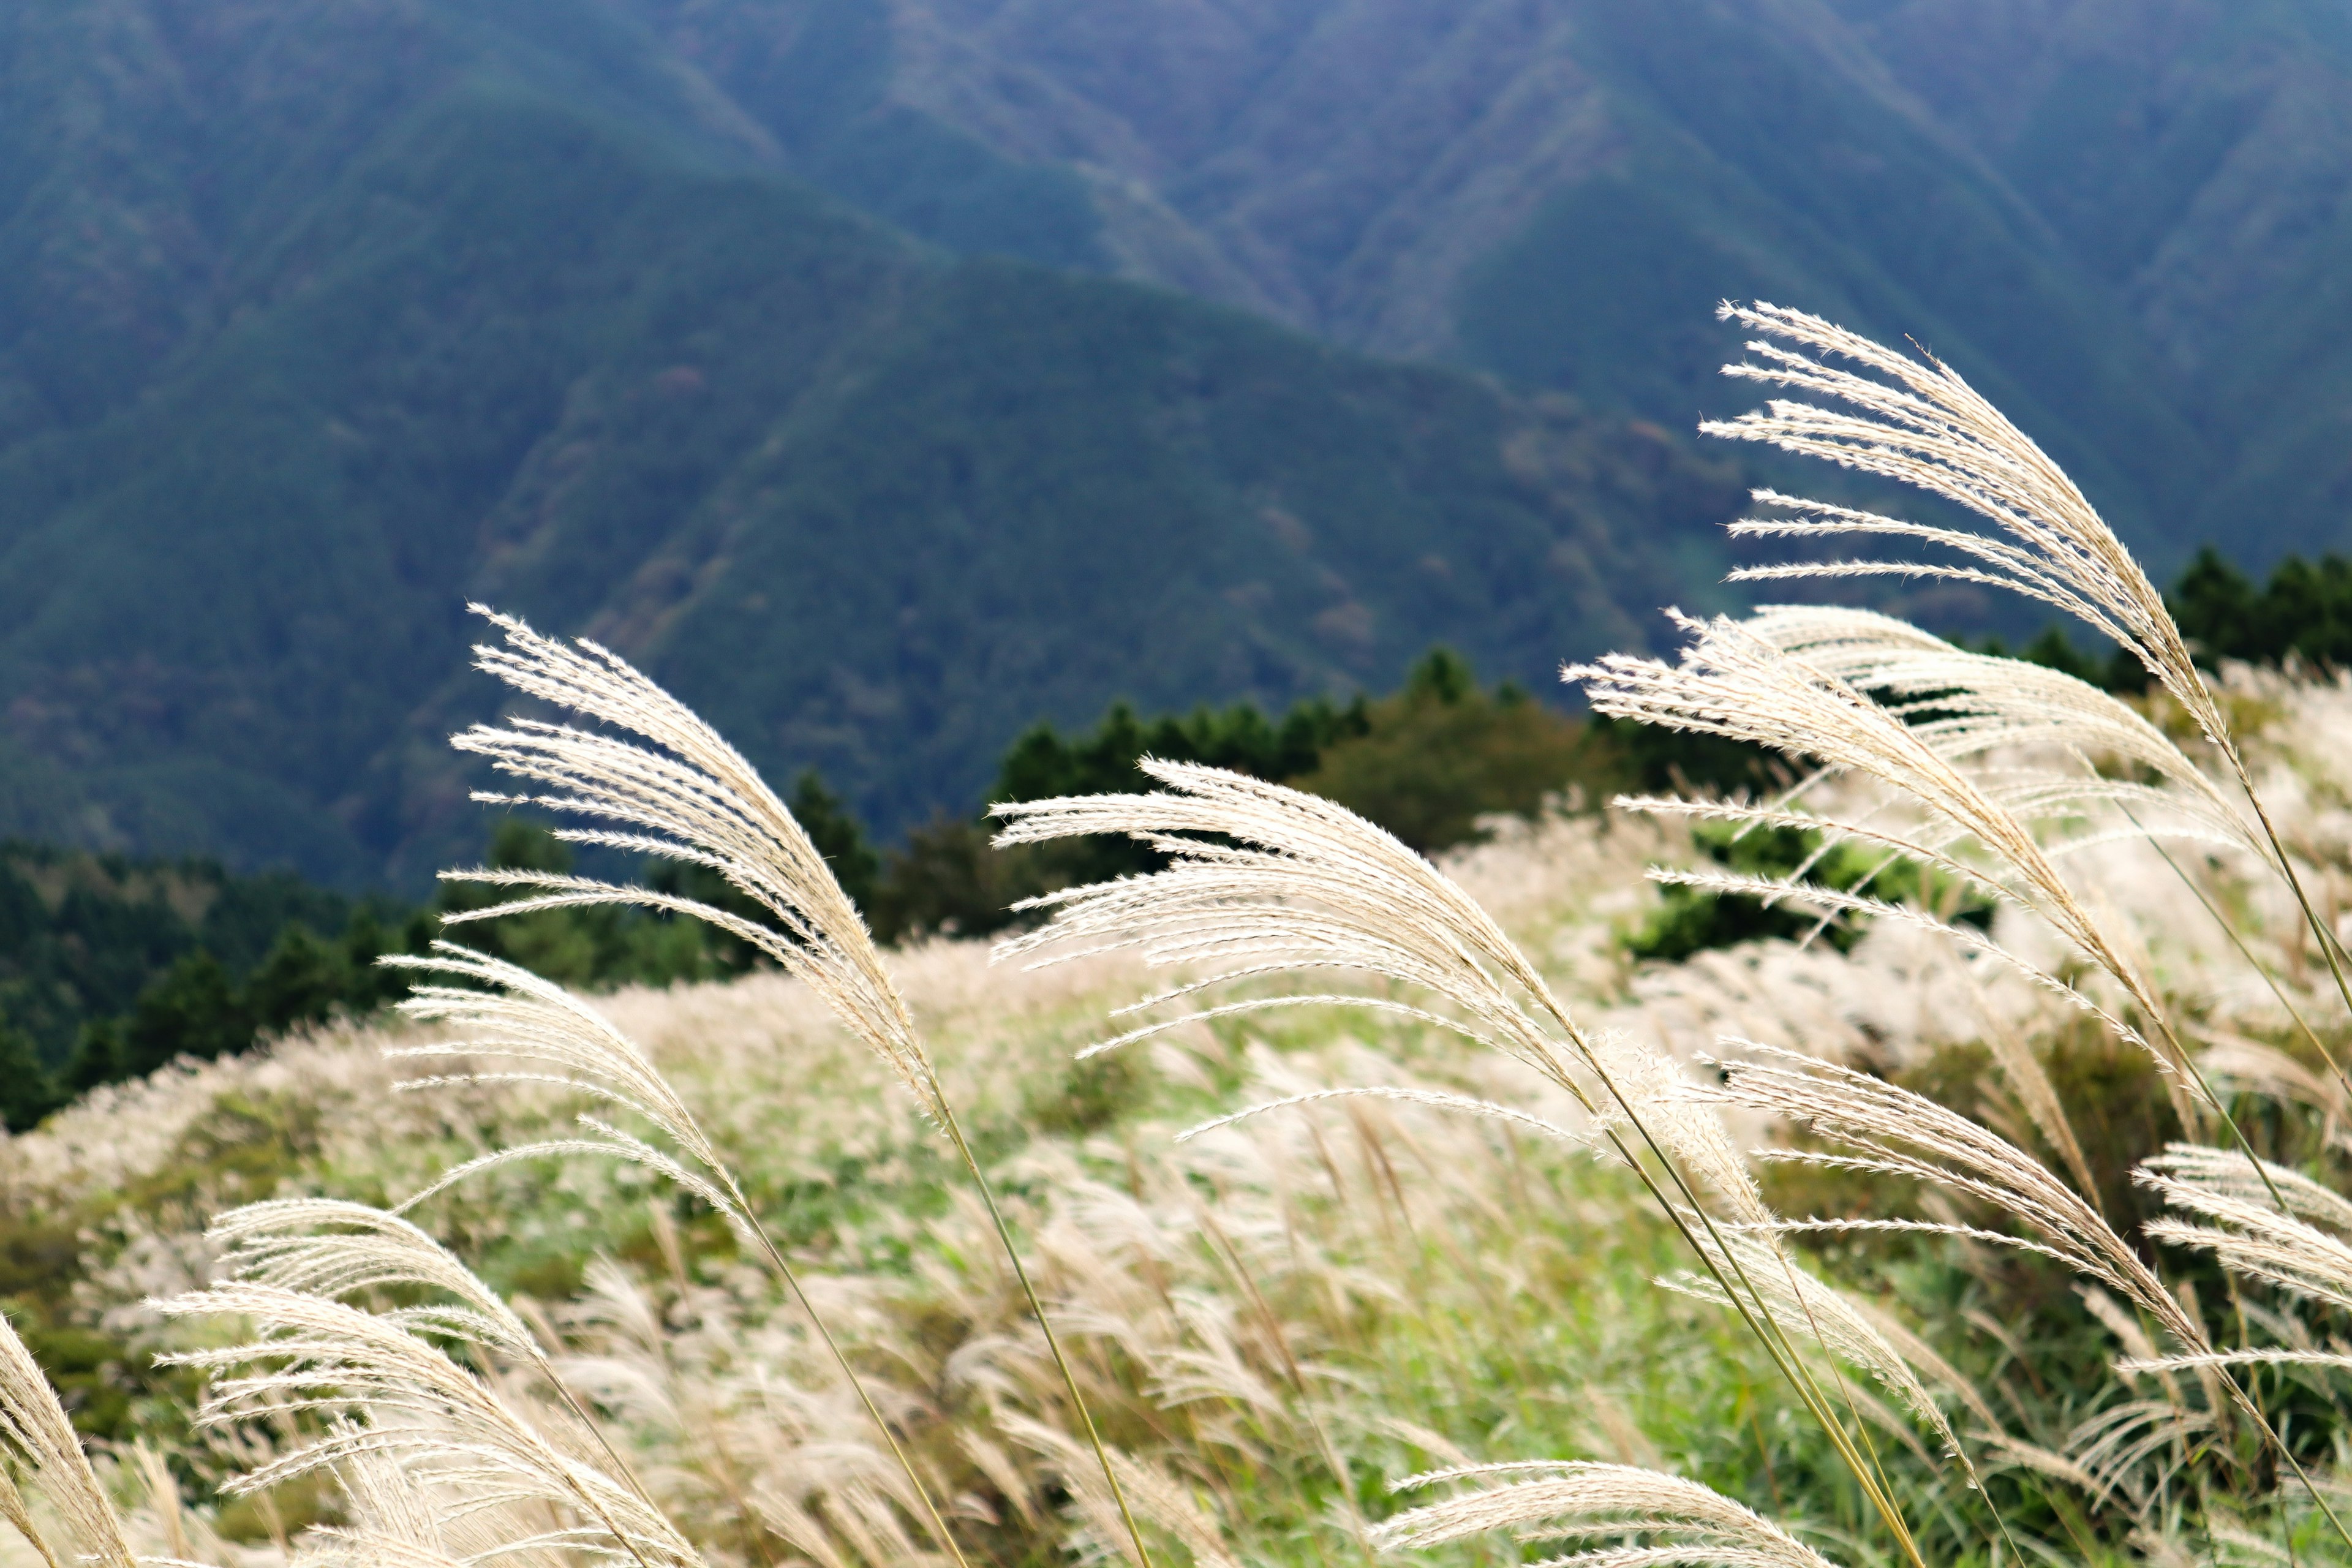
{"x": 110, "y": 967}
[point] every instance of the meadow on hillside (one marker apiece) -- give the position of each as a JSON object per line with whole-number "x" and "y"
{"x": 1998, "y": 1210}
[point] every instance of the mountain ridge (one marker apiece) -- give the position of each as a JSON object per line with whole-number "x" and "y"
{"x": 1450, "y": 182}
{"x": 872, "y": 506}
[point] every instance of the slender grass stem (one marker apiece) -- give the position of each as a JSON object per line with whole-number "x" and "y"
{"x": 1759, "y": 1320}
{"x": 841, "y": 1358}
{"x": 2230, "y": 930}
{"x": 1053, "y": 1341}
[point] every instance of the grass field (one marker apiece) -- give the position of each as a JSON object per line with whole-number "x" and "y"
{"x": 1408, "y": 1211}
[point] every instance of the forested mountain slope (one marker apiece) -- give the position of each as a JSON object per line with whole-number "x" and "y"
{"x": 324, "y": 318}
{"x": 2126, "y": 220}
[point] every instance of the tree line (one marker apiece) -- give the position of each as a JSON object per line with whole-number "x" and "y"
{"x": 111, "y": 967}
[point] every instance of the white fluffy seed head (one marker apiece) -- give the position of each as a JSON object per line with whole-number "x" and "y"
{"x": 34, "y": 1429}
{"x": 688, "y": 795}
{"x": 1578, "y": 1498}
{"x": 1917, "y": 421}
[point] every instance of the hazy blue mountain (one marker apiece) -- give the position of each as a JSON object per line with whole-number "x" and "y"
{"x": 333, "y": 314}
{"x": 2126, "y": 218}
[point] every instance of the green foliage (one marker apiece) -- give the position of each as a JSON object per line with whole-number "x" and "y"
{"x": 27, "y": 1090}
{"x": 1425, "y": 762}
{"x": 110, "y": 966}
{"x": 1432, "y": 760}
{"x": 107, "y": 977}
{"x": 1692, "y": 919}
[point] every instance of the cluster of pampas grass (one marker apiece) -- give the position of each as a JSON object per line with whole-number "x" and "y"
{"x": 1139, "y": 1351}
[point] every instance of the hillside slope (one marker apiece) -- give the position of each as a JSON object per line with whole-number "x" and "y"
{"x": 561, "y": 337}
{"x": 2127, "y": 222}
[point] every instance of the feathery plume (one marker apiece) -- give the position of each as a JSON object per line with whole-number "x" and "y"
{"x": 2248, "y": 1233}
{"x": 558, "y": 1038}
{"x": 1265, "y": 880}
{"x": 1892, "y": 1131}
{"x": 1794, "y": 1294}
{"x": 1921, "y": 425}
{"x": 1734, "y": 680}
{"x": 1580, "y": 1499}
{"x": 1262, "y": 881}
{"x": 690, "y": 796}
{"x": 34, "y": 1426}
{"x": 404, "y": 1397}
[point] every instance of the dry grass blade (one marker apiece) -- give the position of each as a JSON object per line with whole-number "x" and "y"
{"x": 34, "y": 1426}
{"x": 1582, "y": 1498}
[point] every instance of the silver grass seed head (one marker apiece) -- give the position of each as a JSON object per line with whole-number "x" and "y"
{"x": 1264, "y": 880}
{"x": 1585, "y": 1498}
{"x": 1917, "y": 421}
{"x": 687, "y": 795}
{"x": 1732, "y": 679}
{"x": 35, "y": 1429}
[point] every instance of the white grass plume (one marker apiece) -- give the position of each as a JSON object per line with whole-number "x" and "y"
{"x": 34, "y": 1429}
{"x": 690, "y": 796}
{"x": 1964, "y": 705}
{"x": 2244, "y": 1231}
{"x": 1693, "y": 1523}
{"x": 1735, "y": 680}
{"x": 1920, "y": 424}
{"x": 555, "y": 1038}
{"x": 1157, "y": 1496}
{"x": 1793, "y": 1294}
{"x": 1263, "y": 881}
{"x": 332, "y": 1248}
{"x": 558, "y": 1038}
{"x": 401, "y": 1396}
{"x": 1299, "y": 883}
{"x": 392, "y": 1522}
{"x": 1890, "y": 1130}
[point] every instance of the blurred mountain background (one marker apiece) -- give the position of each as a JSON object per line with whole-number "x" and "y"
{"x": 886, "y": 377}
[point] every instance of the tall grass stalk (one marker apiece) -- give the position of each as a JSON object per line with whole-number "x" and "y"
{"x": 691, "y": 797}
{"x": 512, "y": 1014}
{"x": 1264, "y": 880}
{"x": 1922, "y": 425}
